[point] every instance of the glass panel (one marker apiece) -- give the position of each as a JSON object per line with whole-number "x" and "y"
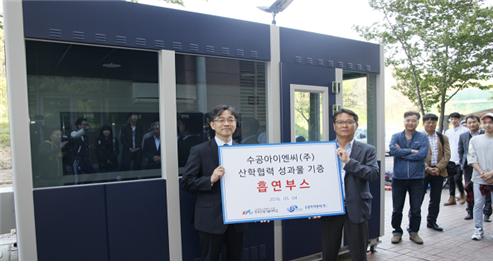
{"x": 91, "y": 111}
{"x": 354, "y": 96}
{"x": 308, "y": 116}
{"x": 202, "y": 83}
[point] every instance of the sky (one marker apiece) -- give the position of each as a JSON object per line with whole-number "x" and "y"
{"x": 330, "y": 17}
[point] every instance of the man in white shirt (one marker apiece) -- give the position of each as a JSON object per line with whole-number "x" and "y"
{"x": 480, "y": 157}
{"x": 454, "y": 169}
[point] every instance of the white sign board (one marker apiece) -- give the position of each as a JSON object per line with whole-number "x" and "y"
{"x": 280, "y": 181}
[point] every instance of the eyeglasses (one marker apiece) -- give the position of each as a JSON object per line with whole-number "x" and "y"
{"x": 347, "y": 122}
{"x": 224, "y": 120}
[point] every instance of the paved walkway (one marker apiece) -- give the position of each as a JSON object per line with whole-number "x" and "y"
{"x": 453, "y": 244}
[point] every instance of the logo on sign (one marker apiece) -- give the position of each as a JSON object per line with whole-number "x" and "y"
{"x": 248, "y": 212}
{"x": 293, "y": 208}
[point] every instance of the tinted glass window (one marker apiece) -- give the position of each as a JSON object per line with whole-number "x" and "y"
{"x": 94, "y": 113}
{"x": 203, "y": 83}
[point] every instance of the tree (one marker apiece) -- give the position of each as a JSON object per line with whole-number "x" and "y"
{"x": 436, "y": 47}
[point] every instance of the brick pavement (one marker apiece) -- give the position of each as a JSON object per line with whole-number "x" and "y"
{"x": 453, "y": 244}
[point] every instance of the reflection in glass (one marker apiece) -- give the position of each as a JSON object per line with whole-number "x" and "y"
{"x": 203, "y": 83}
{"x": 90, "y": 110}
{"x": 308, "y": 116}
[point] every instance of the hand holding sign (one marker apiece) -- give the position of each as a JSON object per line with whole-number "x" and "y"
{"x": 343, "y": 155}
{"x": 217, "y": 174}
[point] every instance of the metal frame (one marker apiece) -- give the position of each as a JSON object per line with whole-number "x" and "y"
{"x": 325, "y": 106}
{"x": 16, "y": 69}
{"x": 167, "y": 120}
{"x": 273, "y": 114}
{"x": 381, "y": 136}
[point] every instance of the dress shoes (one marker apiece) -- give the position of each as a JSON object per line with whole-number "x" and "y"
{"x": 451, "y": 201}
{"x": 435, "y": 227}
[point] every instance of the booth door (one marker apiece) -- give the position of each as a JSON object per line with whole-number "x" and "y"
{"x": 98, "y": 189}
{"x": 307, "y": 98}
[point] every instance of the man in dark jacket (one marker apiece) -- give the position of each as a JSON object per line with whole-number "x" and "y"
{"x": 359, "y": 168}
{"x": 409, "y": 149}
{"x": 152, "y": 149}
{"x": 201, "y": 176}
{"x": 131, "y": 139}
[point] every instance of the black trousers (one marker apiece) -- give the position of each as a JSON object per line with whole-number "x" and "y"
{"x": 211, "y": 245}
{"x": 455, "y": 179}
{"x": 399, "y": 190}
{"x": 487, "y": 210}
{"x": 355, "y": 234}
{"x": 131, "y": 160}
{"x": 436, "y": 184}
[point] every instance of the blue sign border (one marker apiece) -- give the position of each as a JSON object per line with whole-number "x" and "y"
{"x": 286, "y": 217}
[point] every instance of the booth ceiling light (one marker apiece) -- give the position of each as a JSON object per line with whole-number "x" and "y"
{"x": 111, "y": 65}
{"x": 277, "y": 7}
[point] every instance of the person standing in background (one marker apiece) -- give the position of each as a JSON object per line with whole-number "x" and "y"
{"x": 409, "y": 149}
{"x": 480, "y": 157}
{"x": 131, "y": 139}
{"x": 454, "y": 169}
{"x": 435, "y": 168}
{"x": 472, "y": 122}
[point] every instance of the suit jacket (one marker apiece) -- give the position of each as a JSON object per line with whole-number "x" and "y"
{"x": 126, "y": 137}
{"x": 443, "y": 156}
{"x": 149, "y": 152}
{"x": 208, "y": 215}
{"x": 464, "y": 139}
{"x": 360, "y": 170}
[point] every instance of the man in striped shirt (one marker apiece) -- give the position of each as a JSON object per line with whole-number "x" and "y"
{"x": 435, "y": 168}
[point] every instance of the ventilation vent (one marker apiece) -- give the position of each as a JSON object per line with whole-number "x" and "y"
{"x": 330, "y": 63}
{"x": 55, "y": 33}
{"x": 177, "y": 45}
{"x": 254, "y": 54}
{"x": 309, "y": 60}
{"x": 350, "y": 65}
{"x": 320, "y": 62}
{"x": 225, "y": 51}
{"x": 240, "y": 52}
{"x": 100, "y": 37}
{"x": 340, "y": 64}
{"x": 79, "y": 35}
{"x": 298, "y": 59}
{"x": 159, "y": 43}
{"x": 210, "y": 49}
{"x": 193, "y": 47}
{"x": 121, "y": 39}
{"x": 140, "y": 41}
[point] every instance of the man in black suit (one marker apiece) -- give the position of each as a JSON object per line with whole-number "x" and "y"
{"x": 152, "y": 149}
{"x": 472, "y": 122}
{"x": 201, "y": 176}
{"x": 359, "y": 167}
{"x": 131, "y": 139}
